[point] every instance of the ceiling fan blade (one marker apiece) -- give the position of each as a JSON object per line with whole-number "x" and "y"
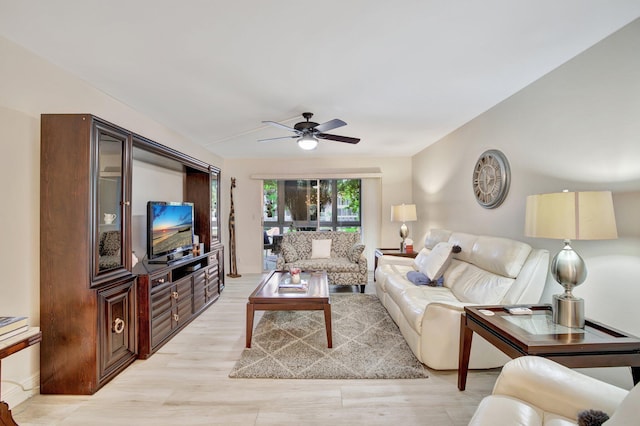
{"x": 282, "y": 126}
{"x": 329, "y": 125}
{"x": 281, "y": 137}
{"x": 337, "y": 138}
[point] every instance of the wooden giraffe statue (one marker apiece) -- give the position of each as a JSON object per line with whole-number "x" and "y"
{"x": 232, "y": 235}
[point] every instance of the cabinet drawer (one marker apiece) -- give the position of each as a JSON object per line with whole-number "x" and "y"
{"x": 161, "y": 298}
{"x": 159, "y": 280}
{"x": 212, "y": 289}
{"x": 161, "y": 326}
{"x": 161, "y": 313}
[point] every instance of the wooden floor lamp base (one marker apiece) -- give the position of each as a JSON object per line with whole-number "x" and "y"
{"x": 234, "y": 275}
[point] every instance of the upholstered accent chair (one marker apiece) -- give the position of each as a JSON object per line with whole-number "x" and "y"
{"x": 337, "y": 252}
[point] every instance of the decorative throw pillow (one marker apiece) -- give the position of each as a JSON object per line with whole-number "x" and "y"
{"x": 592, "y": 418}
{"x": 320, "y": 249}
{"x": 437, "y": 261}
{"x": 418, "y": 278}
{"x": 289, "y": 252}
{"x": 355, "y": 252}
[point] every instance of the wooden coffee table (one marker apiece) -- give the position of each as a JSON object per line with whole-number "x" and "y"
{"x": 597, "y": 345}
{"x": 269, "y": 297}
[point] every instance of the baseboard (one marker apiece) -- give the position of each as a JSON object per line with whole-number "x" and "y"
{"x": 13, "y": 394}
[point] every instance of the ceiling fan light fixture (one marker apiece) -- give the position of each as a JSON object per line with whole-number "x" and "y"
{"x": 308, "y": 142}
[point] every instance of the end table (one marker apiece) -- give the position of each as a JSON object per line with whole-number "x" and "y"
{"x": 595, "y": 345}
{"x": 10, "y": 346}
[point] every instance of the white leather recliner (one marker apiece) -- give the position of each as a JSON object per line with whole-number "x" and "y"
{"x": 536, "y": 391}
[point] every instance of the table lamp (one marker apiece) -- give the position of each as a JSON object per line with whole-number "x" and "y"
{"x": 403, "y": 213}
{"x": 570, "y": 216}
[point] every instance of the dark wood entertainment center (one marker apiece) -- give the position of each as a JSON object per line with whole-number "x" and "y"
{"x": 98, "y": 311}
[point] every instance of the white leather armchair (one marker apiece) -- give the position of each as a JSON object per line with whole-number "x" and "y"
{"x": 536, "y": 391}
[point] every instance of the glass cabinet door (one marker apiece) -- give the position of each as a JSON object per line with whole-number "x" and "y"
{"x": 215, "y": 195}
{"x": 111, "y": 202}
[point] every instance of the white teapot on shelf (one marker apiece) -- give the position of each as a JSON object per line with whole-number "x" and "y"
{"x": 109, "y": 218}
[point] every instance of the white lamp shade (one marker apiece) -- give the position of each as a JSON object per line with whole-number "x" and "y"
{"x": 571, "y": 216}
{"x": 403, "y": 213}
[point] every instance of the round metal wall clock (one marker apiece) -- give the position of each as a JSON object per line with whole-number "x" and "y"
{"x": 491, "y": 179}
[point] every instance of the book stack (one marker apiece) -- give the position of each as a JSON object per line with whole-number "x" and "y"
{"x": 12, "y": 326}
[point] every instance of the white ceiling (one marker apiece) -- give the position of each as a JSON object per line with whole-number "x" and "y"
{"x": 402, "y": 74}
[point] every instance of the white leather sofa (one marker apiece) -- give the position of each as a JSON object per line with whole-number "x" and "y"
{"x": 536, "y": 391}
{"x": 487, "y": 271}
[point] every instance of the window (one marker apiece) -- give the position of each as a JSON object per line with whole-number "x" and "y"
{"x": 308, "y": 204}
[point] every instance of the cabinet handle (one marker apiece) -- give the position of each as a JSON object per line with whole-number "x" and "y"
{"x": 126, "y": 203}
{"x": 118, "y": 326}
{"x": 176, "y": 317}
{"x": 174, "y": 294}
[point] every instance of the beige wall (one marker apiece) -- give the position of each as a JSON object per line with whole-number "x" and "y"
{"x": 29, "y": 87}
{"x": 392, "y": 187}
{"x": 577, "y": 128}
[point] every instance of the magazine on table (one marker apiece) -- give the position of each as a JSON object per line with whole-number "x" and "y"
{"x": 11, "y": 326}
{"x": 287, "y": 285}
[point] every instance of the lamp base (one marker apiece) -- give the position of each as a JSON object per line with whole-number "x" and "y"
{"x": 568, "y": 310}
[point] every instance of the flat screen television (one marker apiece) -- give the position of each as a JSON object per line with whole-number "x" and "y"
{"x": 169, "y": 231}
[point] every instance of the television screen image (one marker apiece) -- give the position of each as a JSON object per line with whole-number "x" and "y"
{"x": 170, "y": 228}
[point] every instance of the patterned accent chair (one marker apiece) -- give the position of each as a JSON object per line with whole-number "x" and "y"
{"x": 346, "y": 264}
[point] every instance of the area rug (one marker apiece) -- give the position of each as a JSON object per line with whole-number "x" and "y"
{"x": 366, "y": 344}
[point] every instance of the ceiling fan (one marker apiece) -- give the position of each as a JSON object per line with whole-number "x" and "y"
{"x": 309, "y": 132}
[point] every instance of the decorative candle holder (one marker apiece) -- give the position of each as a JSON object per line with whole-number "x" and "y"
{"x": 295, "y": 275}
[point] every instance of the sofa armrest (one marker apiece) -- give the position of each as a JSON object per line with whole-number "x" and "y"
{"x": 362, "y": 264}
{"x": 395, "y": 260}
{"x": 555, "y": 388}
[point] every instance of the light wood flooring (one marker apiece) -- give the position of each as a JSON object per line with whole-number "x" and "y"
{"x": 186, "y": 383}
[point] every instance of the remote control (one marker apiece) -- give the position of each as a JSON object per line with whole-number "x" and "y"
{"x": 520, "y": 311}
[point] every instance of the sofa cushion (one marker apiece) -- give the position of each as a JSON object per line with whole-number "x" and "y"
{"x": 420, "y": 259}
{"x": 471, "y": 284}
{"x": 437, "y": 261}
{"x": 436, "y": 236}
{"x": 500, "y": 255}
{"x": 320, "y": 249}
{"x": 342, "y": 242}
{"x": 388, "y": 270}
{"x": 355, "y": 252}
{"x": 289, "y": 252}
{"x": 414, "y": 300}
{"x": 333, "y": 264}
